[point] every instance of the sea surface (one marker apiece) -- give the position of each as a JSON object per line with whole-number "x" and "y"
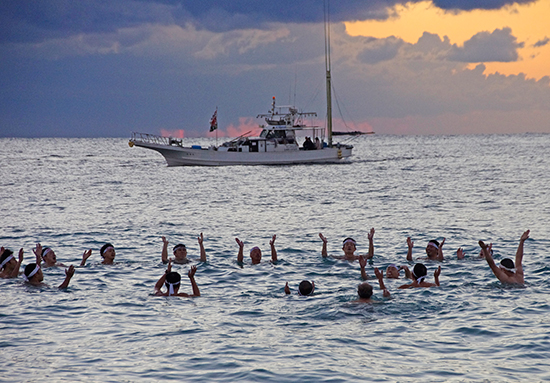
{"x": 77, "y": 194}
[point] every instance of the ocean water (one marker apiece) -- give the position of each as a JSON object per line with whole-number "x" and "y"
{"x": 75, "y": 194}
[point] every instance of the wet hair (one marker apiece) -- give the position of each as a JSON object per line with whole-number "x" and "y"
{"x": 508, "y": 263}
{"x": 178, "y": 246}
{"x": 364, "y": 290}
{"x": 305, "y": 288}
{"x": 5, "y": 254}
{"x": 419, "y": 271}
{"x": 104, "y": 247}
{"x": 29, "y": 269}
{"x": 173, "y": 277}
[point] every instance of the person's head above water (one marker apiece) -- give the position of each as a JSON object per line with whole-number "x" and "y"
{"x": 419, "y": 272}
{"x": 306, "y": 288}
{"x": 507, "y": 265}
{"x": 108, "y": 253}
{"x": 180, "y": 251}
{"x": 364, "y": 290}
{"x": 432, "y": 249}
{"x": 392, "y": 271}
{"x": 33, "y": 273}
{"x": 349, "y": 245}
{"x": 172, "y": 282}
{"x": 255, "y": 255}
{"x": 48, "y": 256}
{"x": 6, "y": 258}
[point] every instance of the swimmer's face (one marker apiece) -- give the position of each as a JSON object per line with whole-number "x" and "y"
{"x": 256, "y": 256}
{"x": 39, "y": 276}
{"x": 180, "y": 253}
{"x": 431, "y": 251}
{"x": 109, "y": 255}
{"x": 50, "y": 258}
{"x": 349, "y": 247}
{"x": 392, "y": 272}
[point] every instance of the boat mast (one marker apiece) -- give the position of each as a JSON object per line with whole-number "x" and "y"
{"x": 327, "y": 69}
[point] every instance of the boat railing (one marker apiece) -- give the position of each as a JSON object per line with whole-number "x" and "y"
{"x": 155, "y": 139}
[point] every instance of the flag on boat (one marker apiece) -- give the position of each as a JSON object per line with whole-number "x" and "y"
{"x": 214, "y": 121}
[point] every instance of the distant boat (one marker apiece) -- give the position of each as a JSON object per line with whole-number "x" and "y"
{"x": 276, "y": 145}
{"x": 353, "y": 133}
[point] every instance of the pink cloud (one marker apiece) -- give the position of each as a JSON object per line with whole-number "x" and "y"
{"x": 246, "y": 124}
{"x": 178, "y": 133}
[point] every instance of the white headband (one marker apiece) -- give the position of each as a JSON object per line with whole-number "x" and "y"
{"x": 419, "y": 280}
{"x": 513, "y": 270}
{"x": 46, "y": 251}
{"x": 254, "y": 248}
{"x": 171, "y": 287}
{"x": 433, "y": 244}
{"x": 7, "y": 260}
{"x": 107, "y": 248}
{"x": 28, "y": 277}
{"x": 349, "y": 240}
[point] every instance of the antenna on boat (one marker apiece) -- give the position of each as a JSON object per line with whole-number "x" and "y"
{"x": 327, "y": 69}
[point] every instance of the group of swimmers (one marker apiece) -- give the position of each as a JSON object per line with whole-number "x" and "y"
{"x": 507, "y": 271}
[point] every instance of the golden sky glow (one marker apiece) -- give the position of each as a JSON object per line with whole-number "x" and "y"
{"x": 529, "y": 23}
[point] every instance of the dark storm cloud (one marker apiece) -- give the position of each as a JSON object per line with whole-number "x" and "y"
{"x": 38, "y": 20}
{"x": 469, "y": 5}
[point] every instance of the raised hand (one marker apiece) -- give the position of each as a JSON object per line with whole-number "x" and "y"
{"x": 192, "y": 271}
{"x": 272, "y": 242}
{"x": 200, "y": 239}
{"x": 239, "y": 242}
{"x": 371, "y": 234}
{"x": 323, "y": 238}
{"x": 460, "y": 253}
{"x": 410, "y": 243}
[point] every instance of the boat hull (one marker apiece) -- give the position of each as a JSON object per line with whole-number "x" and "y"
{"x": 185, "y": 156}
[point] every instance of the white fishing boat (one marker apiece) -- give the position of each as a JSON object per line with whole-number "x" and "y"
{"x": 276, "y": 145}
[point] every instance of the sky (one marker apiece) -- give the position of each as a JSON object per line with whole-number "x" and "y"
{"x": 95, "y": 68}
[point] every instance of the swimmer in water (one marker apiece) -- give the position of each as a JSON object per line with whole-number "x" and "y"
{"x": 419, "y": 277}
{"x": 9, "y": 267}
{"x": 365, "y": 290}
{"x": 434, "y": 250}
{"x": 180, "y": 251}
{"x": 107, "y": 252}
{"x": 172, "y": 279}
{"x": 507, "y": 272}
{"x": 394, "y": 272}
{"x": 349, "y": 247}
{"x": 255, "y": 252}
{"x": 33, "y": 273}
{"x": 49, "y": 258}
{"x": 304, "y": 288}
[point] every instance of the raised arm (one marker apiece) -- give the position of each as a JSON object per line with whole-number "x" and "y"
{"x": 324, "y": 250}
{"x": 496, "y": 270}
{"x": 38, "y": 253}
{"x": 440, "y": 251}
{"x": 437, "y": 273}
{"x": 85, "y": 256}
{"x": 68, "y": 275}
{"x": 273, "y": 251}
{"x": 191, "y": 275}
{"x": 160, "y": 282}
{"x": 371, "y": 243}
{"x": 410, "y": 245}
{"x": 460, "y": 253}
{"x": 380, "y": 277}
{"x": 15, "y": 271}
{"x": 240, "y": 255}
{"x": 164, "y": 254}
{"x": 201, "y": 245}
{"x": 362, "y": 264}
{"x": 287, "y": 289}
{"x": 519, "y": 252}
{"x": 408, "y": 274}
